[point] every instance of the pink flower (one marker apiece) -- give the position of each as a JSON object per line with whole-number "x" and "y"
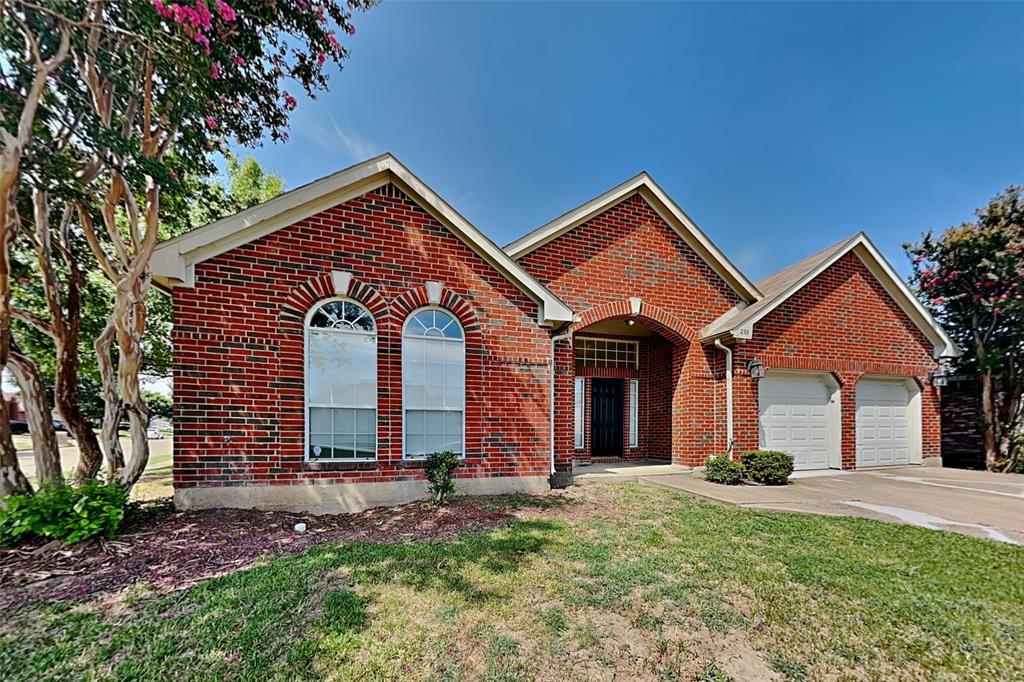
{"x": 938, "y": 300}
{"x": 289, "y": 102}
{"x": 919, "y": 259}
{"x": 237, "y": 61}
{"x": 163, "y": 10}
{"x": 927, "y": 272}
{"x": 225, "y": 10}
{"x": 173, "y": 174}
{"x": 333, "y": 40}
{"x": 320, "y": 14}
{"x": 215, "y": 70}
{"x": 211, "y": 123}
{"x": 350, "y": 29}
{"x": 204, "y": 41}
{"x": 321, "y": 58}
{"x": 203, "y": 16}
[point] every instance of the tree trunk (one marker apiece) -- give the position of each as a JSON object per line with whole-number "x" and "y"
{"x": 113, "y": 408}
{"x": 65, "y": 396}
{"x": 11, "y": 479}
{"x": 129, "y": 317}
{"x": 989, "y": 436}
{"x": 39, "y": 418}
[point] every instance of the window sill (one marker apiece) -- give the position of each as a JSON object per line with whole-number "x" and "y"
{"x": 340, "y": 465}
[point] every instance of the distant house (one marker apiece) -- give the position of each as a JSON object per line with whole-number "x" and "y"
{"x": 327, "y": 340}
{"x": 13, "y": 407}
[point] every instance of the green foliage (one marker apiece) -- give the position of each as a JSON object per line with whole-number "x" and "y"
{"x": 769, "y": 467}
{"x": 64, "y": 513}
{"x": 971, "y": 278}
{"x": 723, "y": 470}
{"x": 159, "y": 404}
{"x": 789, "y": 668}
{"x": 876, "y": 600}
{"x": 440, "y": 469}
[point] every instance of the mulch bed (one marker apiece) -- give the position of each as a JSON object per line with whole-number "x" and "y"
{"x": 171, "y": 550}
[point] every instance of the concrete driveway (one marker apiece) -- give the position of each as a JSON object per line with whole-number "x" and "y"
{"x": 975, "y": 503}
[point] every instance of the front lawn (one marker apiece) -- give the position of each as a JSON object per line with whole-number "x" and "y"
{"x": 623, "y": 582}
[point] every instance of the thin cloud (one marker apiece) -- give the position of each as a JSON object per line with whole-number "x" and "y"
{"x": 358, "y": 148}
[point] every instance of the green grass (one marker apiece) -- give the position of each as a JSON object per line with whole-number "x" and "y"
{"x": 635, "y": 581}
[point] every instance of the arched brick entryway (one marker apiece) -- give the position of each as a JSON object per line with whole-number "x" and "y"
{"x": 652, "y": 392}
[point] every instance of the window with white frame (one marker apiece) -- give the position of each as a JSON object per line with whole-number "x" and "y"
{"x": 341, "y": 382}
{"x": 605, "y": 353}
{"x": 433, "y": 383}
{"x": 634, "y": 412}
{"x": 578, "y": 407}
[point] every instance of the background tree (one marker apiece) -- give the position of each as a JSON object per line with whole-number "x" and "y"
{"x": 971, "y": 277}
{"x": 141, "y": 98}
{"x": 160, "y": 405}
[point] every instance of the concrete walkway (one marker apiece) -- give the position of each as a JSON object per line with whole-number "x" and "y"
{"x": 977, "y": 503}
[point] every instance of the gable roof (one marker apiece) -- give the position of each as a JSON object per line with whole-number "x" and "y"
{"x": 740, "y": 321}
{"x": 174, "y": 260}
{"x": 644, "y": 185}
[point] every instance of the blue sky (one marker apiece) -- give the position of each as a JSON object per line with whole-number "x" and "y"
{"x": 780, "y": 128}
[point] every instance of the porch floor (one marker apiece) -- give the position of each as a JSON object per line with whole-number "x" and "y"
{"x": 603, "y": 472}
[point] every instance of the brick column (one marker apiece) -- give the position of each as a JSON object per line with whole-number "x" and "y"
{"x": 848, "y": 416}
{"x": 564, "y": 428}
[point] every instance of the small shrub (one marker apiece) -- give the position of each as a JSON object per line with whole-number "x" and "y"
{"x": 723, "y": 470}
{"x": 769, "y": 467}
{"x": 440, "y": 469}
{"x": 64, "y": 513}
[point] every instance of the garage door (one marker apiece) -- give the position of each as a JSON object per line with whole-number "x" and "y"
{"x": 883, "y": 423}
{"x": 795, "y": 418}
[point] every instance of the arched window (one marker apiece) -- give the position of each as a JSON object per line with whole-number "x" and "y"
{"x": 433, "y": 383}
{"x": 341, "y": 382}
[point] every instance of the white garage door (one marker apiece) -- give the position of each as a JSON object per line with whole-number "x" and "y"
{"x": 795, "y": 418}
{"x": 883, "y": 423}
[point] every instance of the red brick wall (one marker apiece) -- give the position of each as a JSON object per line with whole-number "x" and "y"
{"x": 630, "y": 251}
{"x": 844, "y": 323}
{"x": 239, "y": 362}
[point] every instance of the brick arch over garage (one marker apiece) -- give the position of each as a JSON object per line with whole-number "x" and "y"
{"x": 306, "y": 295}
{"x": 656, "y": 319}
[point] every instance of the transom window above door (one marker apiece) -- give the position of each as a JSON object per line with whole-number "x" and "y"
{"x": 605, "y": 353}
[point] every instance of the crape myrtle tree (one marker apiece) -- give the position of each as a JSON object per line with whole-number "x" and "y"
{"x": 89, "y": 294}
{"x": 971, "y": 277}
{"x": 111, "y": 110}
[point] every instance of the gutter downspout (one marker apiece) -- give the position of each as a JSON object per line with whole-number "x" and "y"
{"x": 728, "y": 395}
{"x": 551, "y": 429}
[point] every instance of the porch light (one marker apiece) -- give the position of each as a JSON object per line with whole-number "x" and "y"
{"x": 756, "y": 368}
{"x": 630, "y": 322}
{"x": 938, "y": 378}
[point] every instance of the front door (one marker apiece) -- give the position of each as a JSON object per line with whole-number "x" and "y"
{"x": 606, "y": 418}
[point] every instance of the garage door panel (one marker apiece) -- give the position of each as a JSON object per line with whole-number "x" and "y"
{"x": 883, "y": 423}
{"x": 795, "y": 418}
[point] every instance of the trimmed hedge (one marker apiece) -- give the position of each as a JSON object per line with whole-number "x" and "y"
{"x": 722, "y": 470}
{"x": 769, "y": 467}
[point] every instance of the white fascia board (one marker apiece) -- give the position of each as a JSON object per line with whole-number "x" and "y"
{"x": 897, "y": 289}
{"x": 944, "y": 346}
{"x": 174, "y": 261}
{"x": 553, "y": 311}
{"x": 669, "y": 211}
{"x": 581, "y": 214}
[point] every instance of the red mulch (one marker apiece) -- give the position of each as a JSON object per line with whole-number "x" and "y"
{"x": 171, "y": 550}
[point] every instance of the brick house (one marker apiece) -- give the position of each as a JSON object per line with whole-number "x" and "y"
{"x": 326, "y": 340}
